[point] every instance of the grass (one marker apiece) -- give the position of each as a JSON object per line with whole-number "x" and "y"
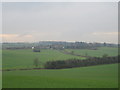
{"x": 24, "y": 58}
{"x": 98, "y": 53}
{"x": 102, "y": 76}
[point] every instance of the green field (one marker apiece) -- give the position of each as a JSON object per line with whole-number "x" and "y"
{"x": 24, "y": 58}
{"x": 100, "y": 76}
{"x": 103, "y": 76}
{"x": 97, "y": 53}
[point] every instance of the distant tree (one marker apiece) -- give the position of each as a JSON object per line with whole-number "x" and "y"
{"x": 86, "y": 54}
{"x": 36, "y": 62}
{"x": 104, "y": 44}
{"x": 105, "y": 55}
{"x": 72, "y": 52}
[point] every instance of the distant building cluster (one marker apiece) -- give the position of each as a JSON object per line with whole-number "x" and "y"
{"x": 56, "y": 45}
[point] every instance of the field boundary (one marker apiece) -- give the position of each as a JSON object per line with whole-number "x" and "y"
{"x": 22, "y": 69}
{"x": 74, "y": 54}
{"x": 25, "y": 69}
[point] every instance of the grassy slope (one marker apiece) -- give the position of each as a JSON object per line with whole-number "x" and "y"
{"x": 98, "y": 53}
{"x": 24, "y": 58}
{"x": 102, "y": 76}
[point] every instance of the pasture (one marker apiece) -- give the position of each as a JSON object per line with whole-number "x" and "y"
{"x": 110, "y": 51}
{"x": 24, "y": 58}
{"x": 101, "y": 76}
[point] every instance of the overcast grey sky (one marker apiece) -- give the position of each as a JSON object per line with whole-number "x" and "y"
{"x": 88, "y": 21}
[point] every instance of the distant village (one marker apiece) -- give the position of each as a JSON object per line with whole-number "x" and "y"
{"x": 56, "y": 45}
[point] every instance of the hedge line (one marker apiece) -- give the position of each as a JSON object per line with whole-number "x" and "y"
{"x": 61, "y": 64}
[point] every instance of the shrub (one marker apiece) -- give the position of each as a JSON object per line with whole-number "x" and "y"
{"x": 60, "y": 64}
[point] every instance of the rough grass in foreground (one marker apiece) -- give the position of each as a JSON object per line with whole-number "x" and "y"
{"x": 102, "y": 76}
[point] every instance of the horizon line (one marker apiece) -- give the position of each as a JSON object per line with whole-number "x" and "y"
{"x": 57, "y": 41}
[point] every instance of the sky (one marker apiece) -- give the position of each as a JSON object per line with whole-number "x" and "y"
{"x": 60, "y": 21}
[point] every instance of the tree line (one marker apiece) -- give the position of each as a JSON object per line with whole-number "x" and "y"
{"x": 61, "y": 64}
{"x": 57, "y": 45}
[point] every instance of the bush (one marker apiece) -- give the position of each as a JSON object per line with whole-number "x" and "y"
{"x": 36, "y": 62}
{"x": 60, "y": 64}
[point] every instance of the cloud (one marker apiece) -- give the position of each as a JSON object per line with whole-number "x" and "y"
{"x": 111, "y": 37}
{"x": 60, "y": 21}
{"x": 15, "y": 37}
{"x": 105, "y": 33}
{"x": 8, "y": 35}
{"x": 28, "y": 36}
